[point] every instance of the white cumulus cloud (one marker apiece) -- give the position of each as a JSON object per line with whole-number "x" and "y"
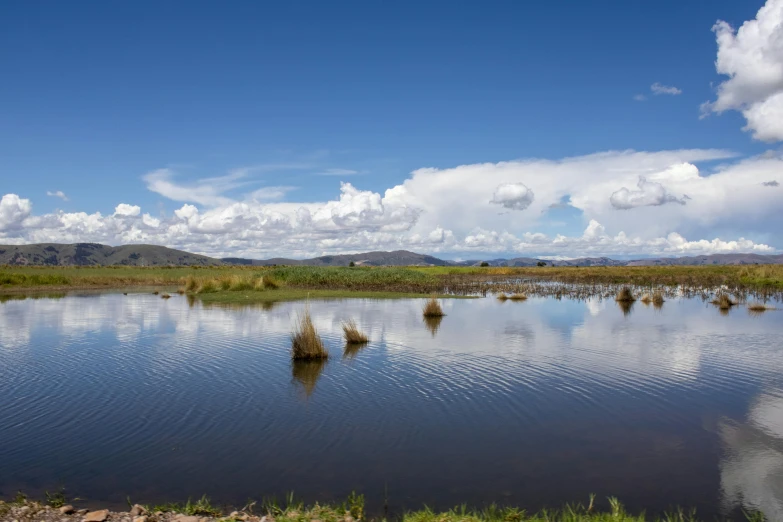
{"x": 513, "y": 196}
{"x": 649, "y": 193}
{"x": 123, "y": 209}
{"x": 446, "y": 211}
{"x": 752, "y": 58}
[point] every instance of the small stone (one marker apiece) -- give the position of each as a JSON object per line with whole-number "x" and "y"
{"x": 24, "y": 509}
{"x": 96, "y": 516}
{"x": 83, "y": 511}
{"x": 142, "y": 518}
{"x": 234, "y": 514}
{"x": 65, "y": 520}
{"x": 66, "y": 509}
{"x": 137, "y": 510}
{"x": 264, "y": 519}
{"x": 349, "y": 518}
{"x": 186, "y": 518}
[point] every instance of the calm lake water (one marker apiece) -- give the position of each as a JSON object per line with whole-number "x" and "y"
{"x": 532, "y": 403}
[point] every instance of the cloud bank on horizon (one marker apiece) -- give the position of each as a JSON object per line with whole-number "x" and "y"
{"x": 633, "y": 203}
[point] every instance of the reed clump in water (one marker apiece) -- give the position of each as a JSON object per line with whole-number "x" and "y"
{"x": 646, "y": 299}
{"x": 432, "y": 308}
{"x": 352, "y": 333}
{"x": 758, "y": 307}
{"x": 502, "y": 297}
{"x": 657, "y": 299}
{"x": 625, "y": 295}
{"x": 165, "y": 296}
{"x": 306, "y": 344}
{"x": 723, "y": 301}
{"x": 518, "y": 297}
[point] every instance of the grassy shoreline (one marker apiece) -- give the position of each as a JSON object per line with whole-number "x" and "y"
{"x": 56, "y": 509}
{"x": 237, "y": 284}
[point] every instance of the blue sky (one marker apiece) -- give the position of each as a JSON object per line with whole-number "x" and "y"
{"x": 95, "y": 96}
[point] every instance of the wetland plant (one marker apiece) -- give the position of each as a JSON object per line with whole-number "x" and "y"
{"x": 502, "y": 297}
{"x": 657, "y": 299}
{"x": 646, "y": 299}
{"x": 723, "y": 301}
{"x": 758, "y": 307}
{"x": 625, "y": 295}
{"x": 352, "y": 333}
{"x": 432, "y": 308}
{"x": 518, "y": 297}
{"x": 306, "y": 344}
{"x": 165, "y": 296}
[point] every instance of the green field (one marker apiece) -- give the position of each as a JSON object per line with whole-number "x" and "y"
{"x": 248, "y": 284}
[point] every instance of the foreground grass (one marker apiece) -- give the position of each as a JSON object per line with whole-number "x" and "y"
{"x": 353, "y": 510}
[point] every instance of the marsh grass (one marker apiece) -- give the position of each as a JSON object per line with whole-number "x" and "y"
{"x": 207, "y": 286}
{"x": 646, "y": 299}
{"x": 306, "y": 344}
{"x": 759, "y": 307}
{"x": 270, "y": 282}
{"x": 352, "y": 333}
{"x": 165, "y": 296}
{"x": 502, "y": 297}
{"x": 202, "y": 507}
{"x": 625, "y": 295}
{"x": 518, "y": 297}
{"x": 657, "y": 299}
{"x": 432, "y": 308}
{"x": 724, "y": 301}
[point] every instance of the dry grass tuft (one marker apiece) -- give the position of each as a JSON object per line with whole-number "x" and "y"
{"x": 723, "y": 301}
{"x": 646, "y": 299}
{"x": 155, "y": 292}
{"x": 207, "y": 286}
{"x": 625, "y": 296}
{"x": 305, "y": 341}
{"x": 758, "y": 307}
{"x": 432, "y": 308}
{"x": 657, "y": 299}
{"x": 518, "y": 297}
{"x": 180, "y": 291}
{"x": 270, "y": 282}
{"x": 502, "y": 297}
{"x": 352, "y": 333}
{"x": 165, "y": 296}
{"x": 191, "y": 284}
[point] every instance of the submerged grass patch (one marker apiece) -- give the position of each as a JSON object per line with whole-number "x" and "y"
{"x": 306, "y": 344}
{"x": 625, "y": 295}
{"x": 432, "y": 308}
{"x": 724, "y": 301}
{"x": 352, "y": 333}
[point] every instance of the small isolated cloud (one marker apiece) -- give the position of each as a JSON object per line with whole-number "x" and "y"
{"x": 339, "y": 172}
{"x": 659, "y": 88}
{"x": 649, "y": 194}
{"x": 513, "y": 196}
{"x": 752, "y": 58}
{"x": 123, "y": 209}
{"x": 640, "y": 97}
{"x": 57, "y": 194}
{"x": 772, "y": 183}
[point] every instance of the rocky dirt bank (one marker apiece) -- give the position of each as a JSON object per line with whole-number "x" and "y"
{"x": 36, "y": 512}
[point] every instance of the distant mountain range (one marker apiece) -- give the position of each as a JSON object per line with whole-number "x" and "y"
{"x": 84, "y": 254}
